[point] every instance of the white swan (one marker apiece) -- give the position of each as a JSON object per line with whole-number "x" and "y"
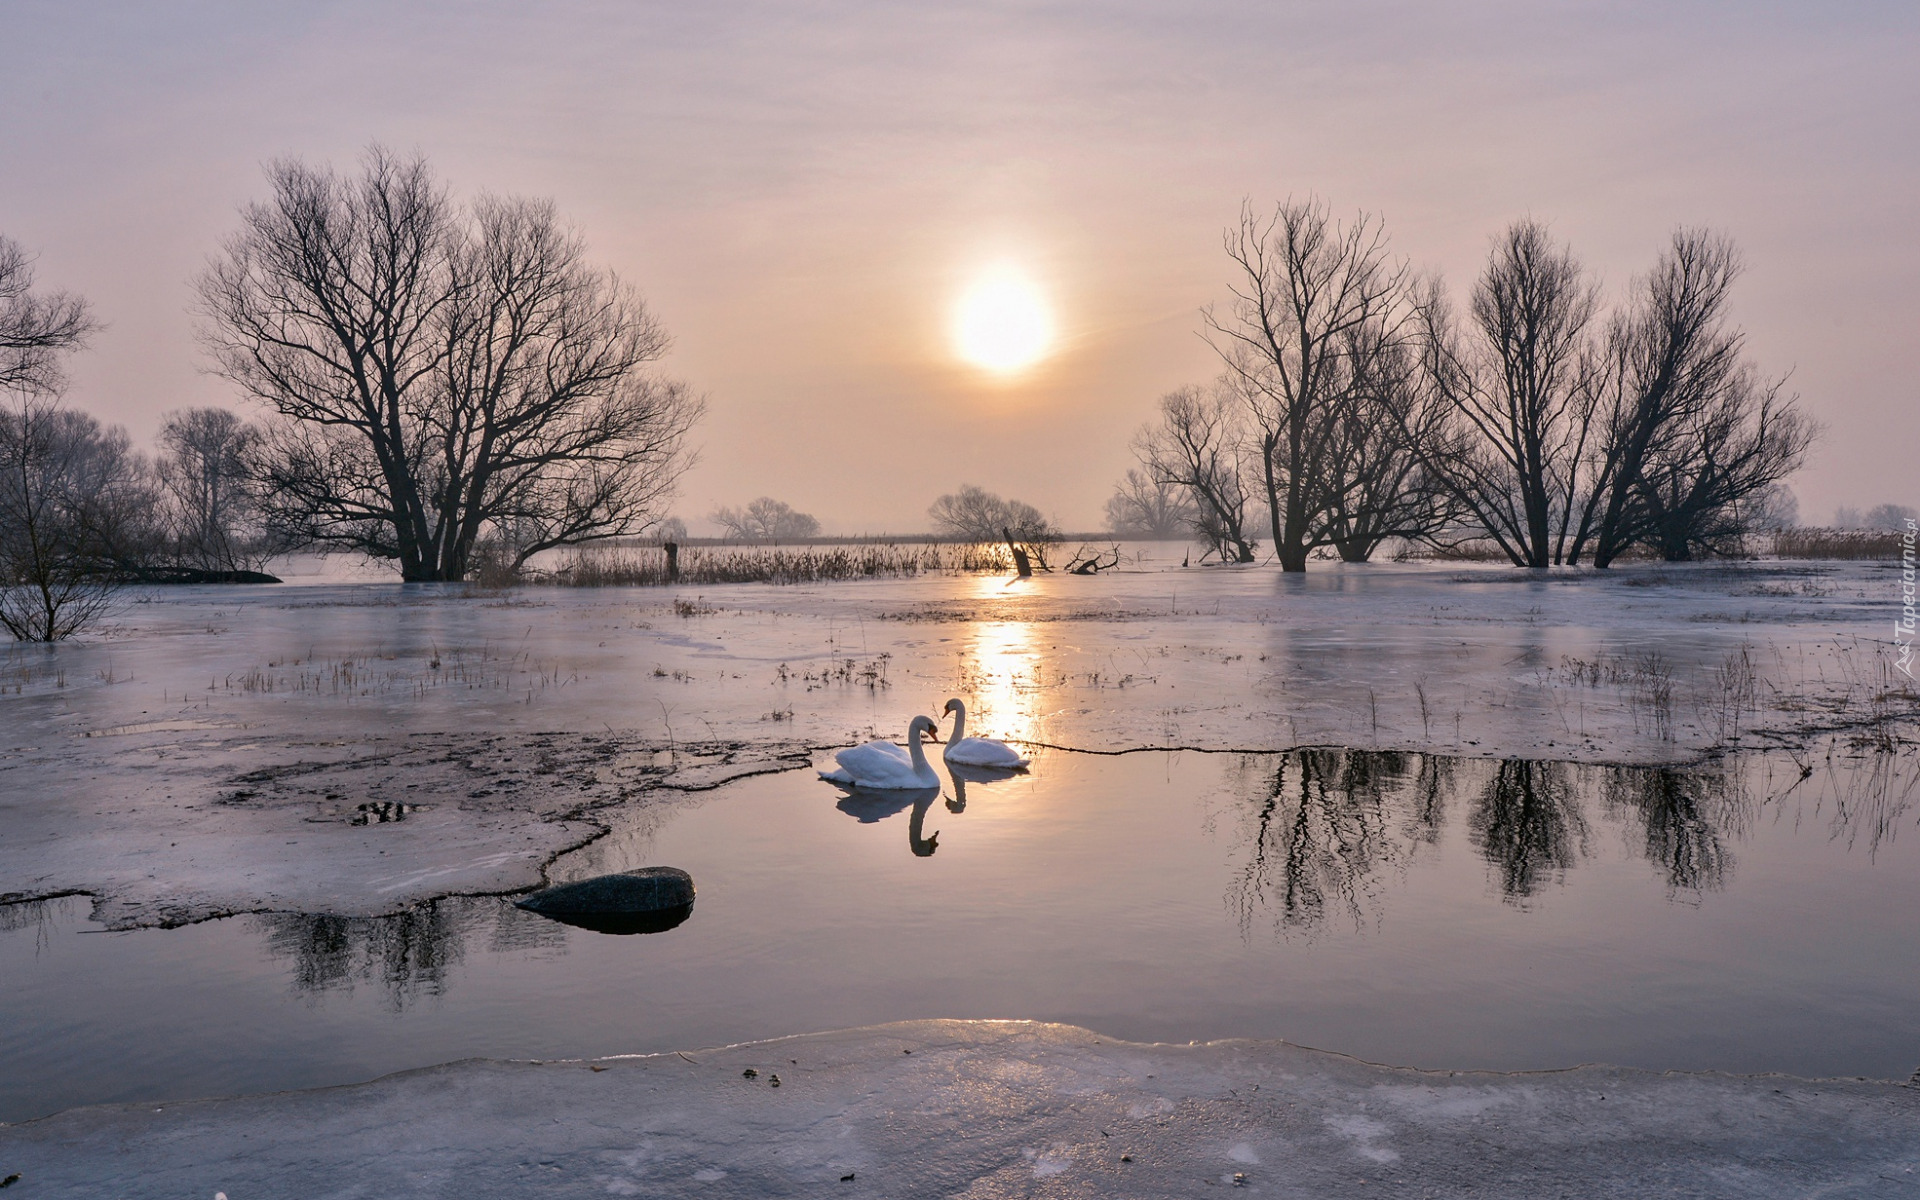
{"x": 973, "y": 751}
{"x": 885, "y": 767}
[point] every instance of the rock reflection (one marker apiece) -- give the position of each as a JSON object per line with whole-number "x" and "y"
{"x": 1321, "y": 830}
{"x": 407, "y": 955}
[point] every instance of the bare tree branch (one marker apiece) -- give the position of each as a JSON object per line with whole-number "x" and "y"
{"x": 442, "y": 375}
{"x": 1311, "y": 300}
{"x": 37, "y": 329}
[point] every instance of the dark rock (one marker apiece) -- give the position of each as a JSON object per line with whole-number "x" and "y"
{"x": 650, "y": 900}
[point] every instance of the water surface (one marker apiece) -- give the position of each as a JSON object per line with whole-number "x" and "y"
{"x": 1408, "y": 909}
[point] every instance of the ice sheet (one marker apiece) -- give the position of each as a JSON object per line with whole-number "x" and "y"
{"x": 947, "y": 1108}
{"x": 197, "y": 757}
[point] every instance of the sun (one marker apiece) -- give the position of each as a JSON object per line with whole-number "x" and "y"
{"x": 1001, "y": 322}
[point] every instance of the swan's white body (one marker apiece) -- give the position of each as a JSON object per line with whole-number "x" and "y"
{"x": 885, "y": 767}
{"x": 975, "y": 751}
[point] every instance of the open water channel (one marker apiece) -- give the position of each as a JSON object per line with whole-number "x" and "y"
{"x": 1755, "y": 914}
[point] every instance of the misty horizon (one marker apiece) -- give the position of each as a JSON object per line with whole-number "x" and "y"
{"x": 802, "y": 197}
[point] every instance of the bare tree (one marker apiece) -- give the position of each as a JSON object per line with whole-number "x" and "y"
{"x": 64, "y": 482}
{"x": 441, "y": 374}
{"x": 1692, "y": 436}
{"x": 1198, "y": 444}
{"x": 669, "y": 529}
{"x": 1143, "y": 505}
{"x": 206, "y": 473}
{"x": 978, "y": 515}
{"x": 1888, "y": 516}
{"x": 1772, "y": 509}
{"x": 1668, "y": 354}
{"x": 37, "y": 329}
{"x": 1376, "y": 485}
{"x": 75, "y": 518}
{"x": 1313, "y": 297}
{"x": 1519, "y": 385}
{"x": 1749, "y": 439}
{"x": 766, "y": 519}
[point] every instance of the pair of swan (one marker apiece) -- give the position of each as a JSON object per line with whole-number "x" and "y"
{"x": 883, "y": 766}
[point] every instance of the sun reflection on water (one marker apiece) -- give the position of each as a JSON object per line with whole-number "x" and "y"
{"x": 1002, "y": 670}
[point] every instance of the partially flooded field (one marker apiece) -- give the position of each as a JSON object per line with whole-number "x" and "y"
{"x": 1435, "y": 816}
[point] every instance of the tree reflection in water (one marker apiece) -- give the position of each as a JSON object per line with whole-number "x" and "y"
{"x": 1686, "y": 818}
{"x": 407, "y": 954}
{"x": 1319, "y": 829}
{"x": 1527, "y": 824}
{"x": 1322, "y": 829}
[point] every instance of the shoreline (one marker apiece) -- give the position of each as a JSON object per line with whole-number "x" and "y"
{"x": 991, "y": 1108}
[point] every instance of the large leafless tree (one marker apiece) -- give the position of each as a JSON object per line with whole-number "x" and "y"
{"x": 442, "y": 373}
{"x": 1518, "y": 380}
{"x": 1694, "y": 490}
{"x": 1569, "y": 440}
{"x": 1312, "y": 299}
{"x": 1378, "y": 485}
{"x": 1692, "y": 435}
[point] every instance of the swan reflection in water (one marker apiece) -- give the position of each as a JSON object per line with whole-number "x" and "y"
{"x": 869, "y": 807}
{"x": 961, "y": 774}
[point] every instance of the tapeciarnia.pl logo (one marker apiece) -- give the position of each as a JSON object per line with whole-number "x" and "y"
{"x": 1904, "y": 627}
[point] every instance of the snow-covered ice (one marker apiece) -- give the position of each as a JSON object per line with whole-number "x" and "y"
{"x": 990, "y": 1109}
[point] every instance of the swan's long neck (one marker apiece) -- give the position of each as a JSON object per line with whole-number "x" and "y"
{"x": 913, "y": 750}
{"x": 959, "y": 721}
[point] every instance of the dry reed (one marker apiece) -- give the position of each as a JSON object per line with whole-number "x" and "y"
{"x": 699, "y": 565}
{"x": 1837, "y": 543}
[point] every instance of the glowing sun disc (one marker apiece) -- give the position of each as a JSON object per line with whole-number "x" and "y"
{"x": 1001, "y": 323}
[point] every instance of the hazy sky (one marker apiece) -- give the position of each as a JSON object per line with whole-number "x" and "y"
{"x": 801, "y": 191}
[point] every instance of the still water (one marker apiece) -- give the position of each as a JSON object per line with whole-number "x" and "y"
{"x": 1754, "y": 915}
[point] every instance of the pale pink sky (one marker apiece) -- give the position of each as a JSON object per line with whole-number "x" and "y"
{"x": 801, "y": 189}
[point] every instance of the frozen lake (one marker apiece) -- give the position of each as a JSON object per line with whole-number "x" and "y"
{"x": 1406, "y": 909}
{"x": 1660, "y": 817}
